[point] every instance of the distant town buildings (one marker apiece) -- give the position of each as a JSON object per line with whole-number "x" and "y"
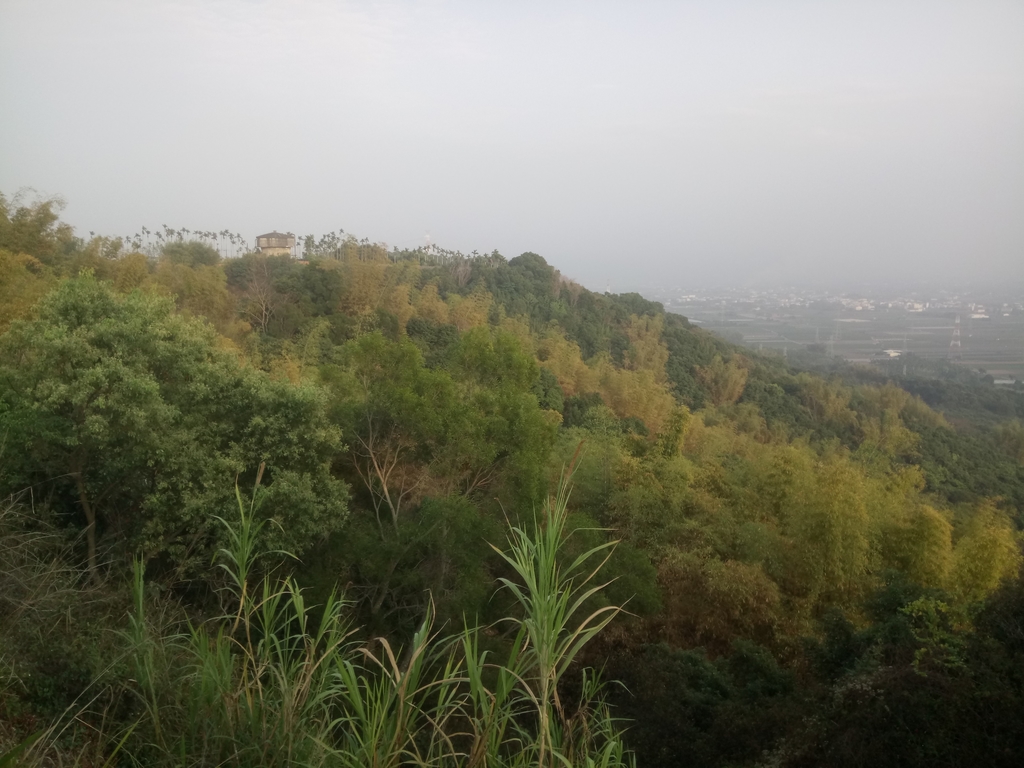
{"x": 978, "y": 327}
{"x": 275, "y": 244}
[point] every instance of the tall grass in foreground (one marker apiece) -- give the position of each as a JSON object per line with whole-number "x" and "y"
{"x": 266, "y": 684}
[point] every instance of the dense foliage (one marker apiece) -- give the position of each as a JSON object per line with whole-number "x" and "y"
{"x": 821, "y": 566}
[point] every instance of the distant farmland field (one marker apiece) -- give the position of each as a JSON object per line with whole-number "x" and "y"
{"x": 995, "y": 345}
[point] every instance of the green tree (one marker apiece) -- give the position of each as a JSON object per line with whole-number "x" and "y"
{"x": 395, "y": 410}
{"x": 549, "y": 395}
{"x": 1010, "y": 437}
{"x": 505, "y": 433}
{"x": 190, "y": 253}
{"x": 139, "y": 421}
{"x": 430, "y": 448}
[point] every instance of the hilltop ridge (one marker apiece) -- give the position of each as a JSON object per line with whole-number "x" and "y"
{"x": 788, "y": 537}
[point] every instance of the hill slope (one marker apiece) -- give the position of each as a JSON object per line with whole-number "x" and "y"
{"x": 788, "y": 540}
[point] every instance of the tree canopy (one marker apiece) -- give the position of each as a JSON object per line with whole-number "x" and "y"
{"x": 804, "y": 554}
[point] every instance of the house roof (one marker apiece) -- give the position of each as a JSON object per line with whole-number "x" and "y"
{"x": 274, "y": 234}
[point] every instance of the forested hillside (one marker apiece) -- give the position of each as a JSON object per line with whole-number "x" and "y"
{"x": 816, "y": 569}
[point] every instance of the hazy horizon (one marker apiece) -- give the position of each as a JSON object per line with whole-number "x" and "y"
{"x": 704, "y": 143}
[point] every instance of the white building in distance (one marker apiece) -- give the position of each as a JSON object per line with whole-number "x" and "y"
{"x": 275, "y": 244}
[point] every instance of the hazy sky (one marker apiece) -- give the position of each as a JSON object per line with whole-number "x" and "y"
{"x": 635, "y": 144}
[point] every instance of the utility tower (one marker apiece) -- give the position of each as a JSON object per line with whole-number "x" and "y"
{"x": 955, "y": 352}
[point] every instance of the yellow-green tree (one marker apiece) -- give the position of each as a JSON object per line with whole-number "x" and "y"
{"x": 829, "y": 528}
{"x": 724, "y": 381}
{"x": 563, "y": 358}
{"x": 987, "y": 552}
{"x": 430, "y": 306}
{"x": 465, "y": 312}
{"x": 24, "y": 280}
{"x": 132, "y": 271}
{"x": 34, "y": 227}
{"x": 202, "y": 291}
{"x": 647, "y": 352}
{"x": 828, "y": 401}
{"x": 366, "y": 282}
{"x": 397, "y": 302}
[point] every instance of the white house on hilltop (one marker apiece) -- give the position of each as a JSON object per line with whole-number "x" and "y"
{"x": 276, "y": 244}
